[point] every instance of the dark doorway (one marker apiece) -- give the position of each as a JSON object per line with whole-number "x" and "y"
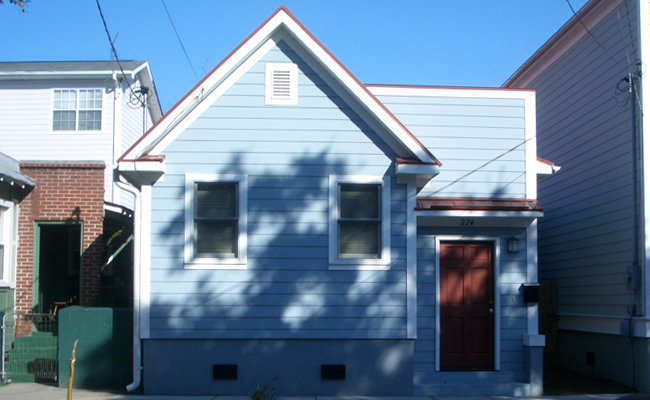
{"x": 57, "y": 268}
{"x": 466, "y": 306}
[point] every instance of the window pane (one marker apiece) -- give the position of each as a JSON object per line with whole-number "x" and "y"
{"x": 90, "y": 120}
{"x": 63, "y": 121}
{"x": 65, "y": 99}
{"x": 359, "y": 201}
{"x": 216, "y": 237}
{"x": 359, "y": 239}
{"x": 90, "y": 99}
{"x": 216, "y": 200}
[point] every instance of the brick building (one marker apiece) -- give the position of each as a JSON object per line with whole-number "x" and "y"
{"x": 65, "y": 123}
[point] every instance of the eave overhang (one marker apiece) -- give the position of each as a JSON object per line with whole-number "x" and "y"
{"x": 145, "y": 170}
{"x": 214, "y": 83}
{"x": 477, "y": 212}
{"x": 545, "y": 168}
{"x": 423, "y": 172}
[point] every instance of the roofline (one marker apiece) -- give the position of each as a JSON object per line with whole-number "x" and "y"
{"x": 572, "y": 31}
{"x": 71, "y": 73}
{"x": 142, "y": 66}
{"x": 450, "y": 91}
{"x": 198, "y": 85}
{"x": 361, "y": 85}
{"x": 449, "y": 87}
{"x": 321, "y": 46}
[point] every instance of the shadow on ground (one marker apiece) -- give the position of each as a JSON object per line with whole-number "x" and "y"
{"x": 563, "y": 382}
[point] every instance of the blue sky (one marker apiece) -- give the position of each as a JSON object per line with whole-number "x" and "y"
{"x": 477, "y": 43}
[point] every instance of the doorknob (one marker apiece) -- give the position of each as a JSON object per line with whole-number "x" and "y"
{"x": 491, "y": 311}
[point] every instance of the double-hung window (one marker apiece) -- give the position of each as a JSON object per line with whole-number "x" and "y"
{"x": 215, "y": 221}
{"x": 77, "y": 110}
{"x": 359, "y": 222}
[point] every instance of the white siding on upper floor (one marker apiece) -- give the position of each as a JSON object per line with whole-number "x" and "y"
{"x": 26, "y": 123}
{"x": 26, "y": 127}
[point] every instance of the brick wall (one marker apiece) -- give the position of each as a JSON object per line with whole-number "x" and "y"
{"x": 65, "y": 191}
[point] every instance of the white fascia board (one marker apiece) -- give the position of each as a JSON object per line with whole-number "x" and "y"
{"x": 55, "y": 74}
{"x": 530, "y": 147}
{"x": 141, "y": 166}
{"x": 140, "y": 68}
{"x": 418, "y": 169}
{"x": 544, "y": 169}
{"x": 459, "y": 92}
{"x": 215, "y": 84}
{"x": 480, "y": 214}
{"x": 356, "y": 88}
{"x": 142, "y": 172}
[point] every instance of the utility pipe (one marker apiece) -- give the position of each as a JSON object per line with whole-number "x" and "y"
{"x": 137, "y": 227}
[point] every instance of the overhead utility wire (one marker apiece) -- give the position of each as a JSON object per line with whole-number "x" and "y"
{"x": 594, "y": 37}
{"x": 179, "y": 40}
{"x": 138, "y": 94}
{"x": 109, "y": 39}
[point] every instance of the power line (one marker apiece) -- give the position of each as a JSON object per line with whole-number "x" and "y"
{"x": 592, "y": 35}
{"x": 179, "y": 40}
{"x": 109, "y": 39}
{"x": 117, "y": 59}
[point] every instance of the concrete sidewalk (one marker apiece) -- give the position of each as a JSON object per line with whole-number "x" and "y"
{"x": 35, "y": 391}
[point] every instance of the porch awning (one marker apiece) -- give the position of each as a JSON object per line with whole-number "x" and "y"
{"x": 477, "y": 204}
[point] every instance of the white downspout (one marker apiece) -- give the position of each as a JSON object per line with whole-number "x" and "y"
{"x": 137, "y": 227}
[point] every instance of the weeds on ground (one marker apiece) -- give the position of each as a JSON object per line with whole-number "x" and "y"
{"x": 265, "y": 392}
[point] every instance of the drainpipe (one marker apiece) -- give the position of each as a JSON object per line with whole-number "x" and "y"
{"x": 137, "y": 344}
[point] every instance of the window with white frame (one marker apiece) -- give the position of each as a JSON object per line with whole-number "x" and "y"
{"x": 215, "y": 220}
{"x": 281, "y": 86}
{"x": 359, "y": 233}
{"x": 77, "y": 110}
{"x": 7, "y": 238}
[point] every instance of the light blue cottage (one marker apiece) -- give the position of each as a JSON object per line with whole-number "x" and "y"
{"x": 294, "y": 227}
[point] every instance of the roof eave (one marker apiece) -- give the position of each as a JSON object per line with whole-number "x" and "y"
{"x": 281, "y": 17}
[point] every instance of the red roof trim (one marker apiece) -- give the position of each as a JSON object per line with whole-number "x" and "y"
{"x": 451, "y": 87}
{"x": 543, "y": 161}
{"x": 202, "y": 80}
{"x": 476, "y": 204}
{"x": 363, "y": 87}
{"x": 411, "y": 161}
{"x": 283, "y": 8}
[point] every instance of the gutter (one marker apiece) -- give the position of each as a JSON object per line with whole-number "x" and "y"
{"x": 137, "y": 227}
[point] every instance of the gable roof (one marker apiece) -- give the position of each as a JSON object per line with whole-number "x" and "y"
{"x": 241, "y": 59}
{"x": 80, "y": 70}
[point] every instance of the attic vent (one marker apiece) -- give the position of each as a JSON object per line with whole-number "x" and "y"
{"x": 281, "y": 84}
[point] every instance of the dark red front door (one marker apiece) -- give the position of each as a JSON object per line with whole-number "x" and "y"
{"x": 466, "y": 306}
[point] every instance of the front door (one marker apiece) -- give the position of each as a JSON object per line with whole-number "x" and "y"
{"x": 466, "y": 306}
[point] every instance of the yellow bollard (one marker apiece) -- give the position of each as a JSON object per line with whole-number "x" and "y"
{"x": 72, "y": 361}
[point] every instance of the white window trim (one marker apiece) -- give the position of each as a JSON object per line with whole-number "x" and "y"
{"x": 8, "y": 228}
{"x": 76, "y": 125}
{"x": 293, "y": 82}
{"x": 216, "y": 263}
{"x": 337, "y": 263}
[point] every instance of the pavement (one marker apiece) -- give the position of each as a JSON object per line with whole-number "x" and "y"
{"x": 36, "y": 391}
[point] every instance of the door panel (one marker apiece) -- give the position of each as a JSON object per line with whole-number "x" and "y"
{"x": 466, "y": 306}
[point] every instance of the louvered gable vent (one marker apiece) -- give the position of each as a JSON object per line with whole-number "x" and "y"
{"x": 281, "y": 84}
